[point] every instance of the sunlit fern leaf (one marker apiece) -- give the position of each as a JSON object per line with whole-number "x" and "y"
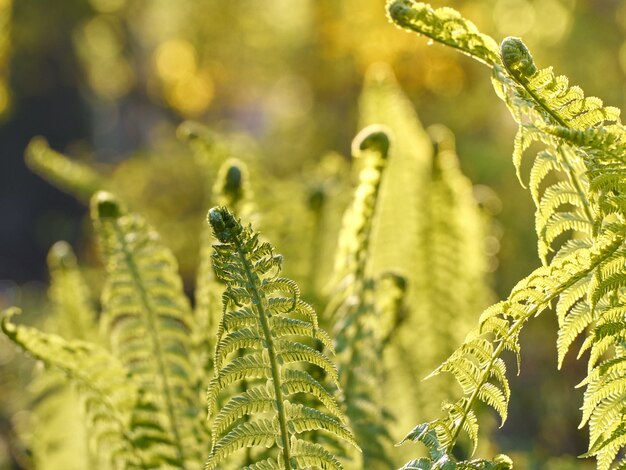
{"x": 74, "y": 177}
{"x": 353, "y": 306}
{"x": 404, "y": 181}
{"x": 231, "y": 189}
{"x": 536, "y": 99}
{"x": 605, "y": 394}
{"x": 74, "y": 313}
{"x": 372, "y": 144}
{"x": 555, "y": 99}
{"x": 584, "y": 149}
{"x": 439, "y": 460}
{"x": 444, "y": 25}
{"x": 418, "y": 464}
{"x": 430, "y": 231}
{"x": 265, "y": 354}
{"x": 312, "y": 455}
{"x": 477, "y": 365}
{"x": 59, "y": 437}
{"x": 101, "y": 380}
{"x": 148, "y": 321}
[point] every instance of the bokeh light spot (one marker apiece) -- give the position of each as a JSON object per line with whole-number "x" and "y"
{"x": 107, "y": 6}
{"x": 514, "y": 17}
{"x": 175, "y": 59}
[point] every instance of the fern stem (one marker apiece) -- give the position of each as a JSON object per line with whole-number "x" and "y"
{"x": 513, "y": 331}
{"x": 257, "y": 305}
{"x": 158, "y": 351}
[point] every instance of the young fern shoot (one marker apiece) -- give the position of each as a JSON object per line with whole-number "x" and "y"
{"x": 354, "y": 309}
{"x": 258, "y": 342}
{"x": 148, "y": 320}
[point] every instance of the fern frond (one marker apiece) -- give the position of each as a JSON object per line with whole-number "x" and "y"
{"x": 430, "y": 231}
{"x": 109, "y": 396}
{"x": 444, "y": 25}
{"x": 312, "y": 455}
{"x": 74, "y": 312}
{"x": 148, "y": 321}
{"x": 261, "y": 351}
{"x": 477, "y": 365}
{"x": 354, "y": 308}
{"x": 231, "y": 189}
{"x": 405, "y": 178}
{"x": 584, "y": 143}
{"x": 427, "y": 434}
{"x": 371, "y": 144}
{"x": 71, "y": 176}
{"x": 60, "y": 437}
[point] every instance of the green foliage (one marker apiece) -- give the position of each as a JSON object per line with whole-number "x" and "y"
{"x": 429, "y": 230}
{"x": 407, "y": 283}
{"x": 381, "y": 297}
{"x": 585, "y": 272}
{"x": 438, "y": 459}
{"x": 101, "y": 380}
{"x": 59, "y": 437}
{"x": 359, "y": 320}
{"x": 262, "y": 314}
{"x": 148, "y": 321}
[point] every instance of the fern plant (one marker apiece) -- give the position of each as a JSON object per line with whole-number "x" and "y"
{"x": 431, "y": 231}
{"x": 140, "y": 400}
{"x": 359, "y": 320}
{"x": 59, "y": 438}
{"x": 584, "y": 275}
{"x": 262, "y": 314}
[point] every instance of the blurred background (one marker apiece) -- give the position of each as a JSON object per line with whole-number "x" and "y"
{"x": 108, "y": 82}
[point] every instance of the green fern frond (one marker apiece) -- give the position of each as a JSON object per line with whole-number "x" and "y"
{"x": 405, "y": 179}
{"x": 477, "y": 365}
{"x": 263, "y": 351}
{"x": 354, "y": 307}
{"x": 74, "y": 313}
{"x": 430, "y": 231}
{"x": 438, "y": 460}
{"x": 148, "y": 321}
{"x": 556, "y": 101}
{"x": 372, "y": 145}
{"x": 231, "y": 189}
{"x": 109, "y": 396}
{"x": 584, "y": 142}
{"x": 444, "y": 25}
{"x": 71, "y": 176}
{"x": 60, "y": 438}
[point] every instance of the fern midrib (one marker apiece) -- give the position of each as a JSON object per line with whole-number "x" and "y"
{"x": 257, "y": 305}
{"x": 514, "y": 329}
{"x": 362, "y": 257}
{"x": 145, "y": 299}
{"x": 566, "y": 163}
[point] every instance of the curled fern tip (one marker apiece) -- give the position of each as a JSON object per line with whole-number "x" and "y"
{"x": 375, "y": 138}
{"x": 517, "y": 58}
{"x": 61, "y": 254}
{"x": 105, "y": 206}
{"x": 224, "y": 224}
